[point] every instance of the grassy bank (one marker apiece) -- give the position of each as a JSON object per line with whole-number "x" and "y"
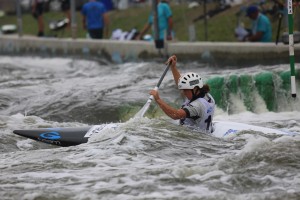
{"x": 219, "y": 28}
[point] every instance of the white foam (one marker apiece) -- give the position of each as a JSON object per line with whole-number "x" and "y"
{"x": 25, "y": 144}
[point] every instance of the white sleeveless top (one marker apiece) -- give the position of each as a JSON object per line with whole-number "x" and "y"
{"x": 199, "y": 113}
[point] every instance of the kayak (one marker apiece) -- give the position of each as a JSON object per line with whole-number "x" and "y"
{"x": 78, "y": 135}
{"x": 227, "y": 129}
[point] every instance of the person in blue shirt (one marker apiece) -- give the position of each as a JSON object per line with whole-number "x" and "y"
{"x": 95, "y": 19}
{"x": 261, "y": 30}
{"x": 165, "y": 22}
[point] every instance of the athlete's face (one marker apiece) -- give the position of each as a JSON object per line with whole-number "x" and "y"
{"x": 188, "y": 94}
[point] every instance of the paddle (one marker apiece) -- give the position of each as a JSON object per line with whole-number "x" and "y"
{"x": 146, "y": 106}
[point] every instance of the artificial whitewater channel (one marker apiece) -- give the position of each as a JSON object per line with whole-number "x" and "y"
{"x": 156, "y": 158}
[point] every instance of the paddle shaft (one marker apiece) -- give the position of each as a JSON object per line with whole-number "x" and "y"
{"x": 163, "y": 76}
{"x": 142, "y": 112}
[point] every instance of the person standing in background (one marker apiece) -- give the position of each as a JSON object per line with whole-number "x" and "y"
{"x": 261, "y": 30}
{"x": 165, "y": 22}
{"x": 95, "y": 19}
{"x": 65, "y": 7}
{"x": 37, "y": 13}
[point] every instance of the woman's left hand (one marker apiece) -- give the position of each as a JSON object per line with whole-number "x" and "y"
{"x": 155, "y": 94}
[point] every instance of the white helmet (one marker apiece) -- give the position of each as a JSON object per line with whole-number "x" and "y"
{"x": 189, "y": 81}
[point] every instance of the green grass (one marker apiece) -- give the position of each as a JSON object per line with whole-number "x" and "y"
{"x": 220, "y": 27}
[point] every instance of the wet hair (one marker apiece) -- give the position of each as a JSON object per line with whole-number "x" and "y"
{"x": 205, "y": 89}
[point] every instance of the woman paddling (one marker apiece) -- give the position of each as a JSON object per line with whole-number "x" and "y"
{"x": 198, "y": 109}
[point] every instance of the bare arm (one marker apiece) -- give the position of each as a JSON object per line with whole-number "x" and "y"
{"x": 33, "y": 6}
{"x": 168, "y": 110}
{"x": 175, "y": 72}
{"x": 170, "y": 28}
{"x": 143, "y": 31}
{"x": 106, "y": 24}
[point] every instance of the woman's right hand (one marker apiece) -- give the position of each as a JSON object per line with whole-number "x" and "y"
{"x": 155, "y": 94}
{"x": 172, "y": 61}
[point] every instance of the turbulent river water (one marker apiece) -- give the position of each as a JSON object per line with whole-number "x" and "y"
{"x": 155, "y": 158}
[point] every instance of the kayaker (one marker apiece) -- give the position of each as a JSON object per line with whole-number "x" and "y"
{"x": 198, "y": 109}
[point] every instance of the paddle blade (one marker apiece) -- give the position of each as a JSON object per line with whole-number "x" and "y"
{"x": 144, "y": 109}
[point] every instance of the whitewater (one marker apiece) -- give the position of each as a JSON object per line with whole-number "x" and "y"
{"x": 150, "y": 157}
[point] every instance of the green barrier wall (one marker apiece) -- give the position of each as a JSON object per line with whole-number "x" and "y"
{"x": 246, "y": 88}
{"x": 233, "y": 84}
{"x": 265, "y": 86}
{"x": 219, "y": 91}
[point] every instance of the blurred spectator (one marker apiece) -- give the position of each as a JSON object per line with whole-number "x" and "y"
{"x": 65, "y": 7}
{"x": 37, "y": 13}
{"x": 261, "y": 30}
{"x": 95, "y": 19}
{"x": 241, "y": 33}
{"x": 165, "y": 22}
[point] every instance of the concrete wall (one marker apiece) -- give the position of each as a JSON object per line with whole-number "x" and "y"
{"x": 216, "y": 53}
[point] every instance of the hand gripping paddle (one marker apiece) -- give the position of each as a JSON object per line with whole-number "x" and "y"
{"x": 147, "y": 105}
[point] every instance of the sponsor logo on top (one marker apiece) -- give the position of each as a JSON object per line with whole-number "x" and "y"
{"x": 230, "y": 131}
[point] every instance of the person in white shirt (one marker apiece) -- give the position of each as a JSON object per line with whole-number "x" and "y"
{"x": 198, "y": 109}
